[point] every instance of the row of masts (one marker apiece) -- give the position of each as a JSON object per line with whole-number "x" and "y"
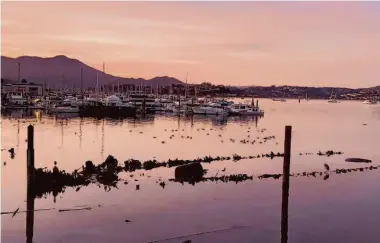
{"x": 140, "y": 89}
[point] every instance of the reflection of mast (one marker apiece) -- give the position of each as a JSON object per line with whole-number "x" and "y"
{"x": 102, "y": 145}
{"x": 61, "y": 133}
{"x": 179, "y": 119}
{"x": 18, "y": 133}
{"x": 80, "y": 132}
{"x": 256, "y": 121}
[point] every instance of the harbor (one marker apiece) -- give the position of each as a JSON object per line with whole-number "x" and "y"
{"x": 190, "y": 122}
{"x": 240, "y": 190}
{"x": 95, "y": 104}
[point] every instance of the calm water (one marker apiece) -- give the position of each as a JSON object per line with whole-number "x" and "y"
{"x": 344, "y": 208}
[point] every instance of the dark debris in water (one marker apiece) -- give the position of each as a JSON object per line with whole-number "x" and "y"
{"x": 358, "y": 160}
{"x": 106, "y": 174}
{"x": 244, "y": 177}
{"x": 12, "y": 153}
{"x": 328, "y": 153}
{"x": 55, "y": 181}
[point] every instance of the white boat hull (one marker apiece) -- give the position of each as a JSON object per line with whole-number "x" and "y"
{"x": 208, "y": 111}
{"x": 370, "y": 102}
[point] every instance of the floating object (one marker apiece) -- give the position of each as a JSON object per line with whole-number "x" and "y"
{"x": 127, "y": 221}
{"x": 189, "y": 172}
{"x": 275, "y": 176}
{"x": 162, "y": 184}
{"x": 327, "y": 167}
{"x": 328, "y": 153}
{"x": 73, "y": 209}
{"x": 358, "y": 160}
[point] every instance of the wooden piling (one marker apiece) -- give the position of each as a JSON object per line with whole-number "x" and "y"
{"x": 30, "y": 153}
{"x": 30, "y": 186}
{"x": 285, "y": 185}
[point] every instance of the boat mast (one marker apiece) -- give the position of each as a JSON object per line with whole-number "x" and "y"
{"x": 97, "y": 84}
{"x": 186, "y": 86}
{"x": 19, "y": 71}
{"x": 81, "y": 81}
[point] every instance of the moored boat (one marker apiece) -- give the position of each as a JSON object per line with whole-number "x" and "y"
{"x": 244, "y": 110}
{"x": 64, "y": 109}
{"x": 370, "y": 102}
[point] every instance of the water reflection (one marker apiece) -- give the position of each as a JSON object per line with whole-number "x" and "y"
{"x": 31, "y": 195}
{"x": 30, "y": 216}
{"x": 138, "y": 119}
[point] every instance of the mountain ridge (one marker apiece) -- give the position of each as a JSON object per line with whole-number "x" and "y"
{"x": 63, "y": 70}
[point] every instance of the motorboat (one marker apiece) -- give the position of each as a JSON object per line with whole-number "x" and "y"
{"x": 243, "y": 109}
{"x": 210, "y": 109}
{"x": 370, "y": 102}
{"x": 64, "y": 109}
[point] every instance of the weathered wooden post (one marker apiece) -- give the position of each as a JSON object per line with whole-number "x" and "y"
{"x": 285, "y": 185}
{"x": 30, "y": 154}
{"x": 30, "y": 185}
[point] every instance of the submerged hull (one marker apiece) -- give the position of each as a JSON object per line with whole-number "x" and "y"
{"x": 332, "y": 101}
{"x": 107, "y": 111}
{"x": 249, "y": 113}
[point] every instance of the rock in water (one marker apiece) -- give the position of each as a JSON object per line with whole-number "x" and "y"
{"x": 189, "y": 172}
{"x": 89, "y": 166}
{"x": 358, "y": 160}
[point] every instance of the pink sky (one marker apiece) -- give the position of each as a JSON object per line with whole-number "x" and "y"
{"x": 246, "y": 43}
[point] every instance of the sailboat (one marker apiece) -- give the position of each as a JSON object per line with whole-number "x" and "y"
{"x": 332, "y": 98}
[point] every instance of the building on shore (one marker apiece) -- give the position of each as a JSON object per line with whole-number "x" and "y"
{"x": 23, "y": 87}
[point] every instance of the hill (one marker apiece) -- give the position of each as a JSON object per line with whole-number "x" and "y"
{"x": 64, "y": 70}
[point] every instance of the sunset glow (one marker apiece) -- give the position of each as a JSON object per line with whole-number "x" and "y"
{"x": 246, "y": 43}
